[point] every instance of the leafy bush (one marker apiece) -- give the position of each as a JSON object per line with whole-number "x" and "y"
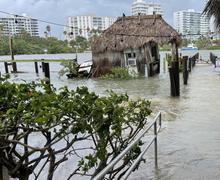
{"x": 119, "y": 73}
{"x": 77, "y": 124}
{"x": 70, "y": 67}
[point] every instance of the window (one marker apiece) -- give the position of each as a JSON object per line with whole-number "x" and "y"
{"x": 131, "y": 62}
{"x": 129, "y": 55}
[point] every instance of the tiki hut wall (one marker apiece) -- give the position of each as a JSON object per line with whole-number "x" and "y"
{"x": 103, "y": 62}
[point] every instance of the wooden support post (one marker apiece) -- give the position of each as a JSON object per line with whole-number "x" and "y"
{"x": 47, "y": 71}
{"x": 175, "y": 65}
{"x": 151, "y": 69}
{"x": 172, "y": 82}
{"x": 177, "y": 71}
{"x": 174, "y": 72}
{"x": 190, "y": 64}
{"x": 36, "y": 67}
{"x": 42, "y": 65}
{"x": 211, "y": 57}
{"x": 185, "y": 70}
{"x": 158, "y": 70}
{"x": 6, "y": 67}
{"x": 14, "y": 64}
{"x": 194, "y": 62}
{"x": 215, "y": 60}
{"x": 1, "y": 172}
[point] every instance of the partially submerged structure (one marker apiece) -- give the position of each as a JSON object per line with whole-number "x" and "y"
{"x": 133, "y": 42}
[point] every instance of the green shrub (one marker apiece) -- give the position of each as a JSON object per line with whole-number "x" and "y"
{"x": 104, "y": 126}
{"x": 119, "y": 73}
{"x": 69, "y": 67}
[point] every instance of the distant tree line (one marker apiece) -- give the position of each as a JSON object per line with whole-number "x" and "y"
{"x": 24, "y": 43}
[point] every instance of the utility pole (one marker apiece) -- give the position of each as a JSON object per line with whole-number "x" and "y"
{"x": 14, "y": 65}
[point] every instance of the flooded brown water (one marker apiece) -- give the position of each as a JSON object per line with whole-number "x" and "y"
{"x": 189, "y": 142}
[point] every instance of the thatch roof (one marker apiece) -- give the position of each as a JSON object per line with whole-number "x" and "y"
{"x": 134, "y": 32}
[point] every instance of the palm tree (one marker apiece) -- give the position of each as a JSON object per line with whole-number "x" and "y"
{"x": 213, "y": 9}
{"x": 46, "y": 34}
{"x": 48, "y": 29}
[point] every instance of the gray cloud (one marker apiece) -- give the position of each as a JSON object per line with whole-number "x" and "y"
{"x": 58, "y": 10}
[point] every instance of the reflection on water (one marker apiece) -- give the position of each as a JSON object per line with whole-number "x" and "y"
{"x": 189, "y": 146}
{"x": 189, "y": 143}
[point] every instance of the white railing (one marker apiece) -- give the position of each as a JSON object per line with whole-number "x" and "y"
{"x": 157, "y": 122}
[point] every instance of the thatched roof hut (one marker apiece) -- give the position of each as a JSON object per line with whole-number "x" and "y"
{"x": 131, "y": 33}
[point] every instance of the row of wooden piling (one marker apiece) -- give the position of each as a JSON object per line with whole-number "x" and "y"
{"x": 45, "y": 68}
{"x": 187, "y": 64}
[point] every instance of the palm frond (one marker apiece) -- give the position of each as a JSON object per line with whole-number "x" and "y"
{"x": 212, "y": 8}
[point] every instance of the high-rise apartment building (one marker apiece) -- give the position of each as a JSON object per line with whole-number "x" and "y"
{"x": 191, "y": 23}
{"x": 142, "y": 7}
{"x": 83, "y": 25}
{"x": 204, "y": 24}
{"x": 15, "y": 24}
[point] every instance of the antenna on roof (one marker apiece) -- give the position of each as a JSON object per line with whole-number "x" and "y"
{"x": 139, "y": 16}
{"x": 123, "y": 16}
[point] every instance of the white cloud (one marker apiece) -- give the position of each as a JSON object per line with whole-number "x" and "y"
{"x": 57, "y": 10}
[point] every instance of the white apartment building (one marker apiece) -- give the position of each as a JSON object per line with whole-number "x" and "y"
{"x": 205, "y": 26}
{"x": 142, "y": 7}
{"x": 15, "y": 24}
{"x": 191, "y": 23}
{"x": 83, "y": 25}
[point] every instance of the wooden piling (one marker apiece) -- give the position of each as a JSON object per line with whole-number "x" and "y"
{"x": 6, "y": 67}
{"x": 185, "y": 70}
{"x": 151, "y": 70}
{"x": 174, "y": 71}
{"x": 175, "y": 65}
{"x": 36, "y": 67}
{"x": 193, "y": 61}
{"x": 42, "y": 65}
{"x": 47, "y": 72}
{"x": 14, "y": 64}
{"x": 172, "y": 82}
{"x": 158, "y": 67}
{"x": 190, "y": 64}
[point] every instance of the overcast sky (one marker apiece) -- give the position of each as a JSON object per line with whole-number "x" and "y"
{"x": 58, "y": 10}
